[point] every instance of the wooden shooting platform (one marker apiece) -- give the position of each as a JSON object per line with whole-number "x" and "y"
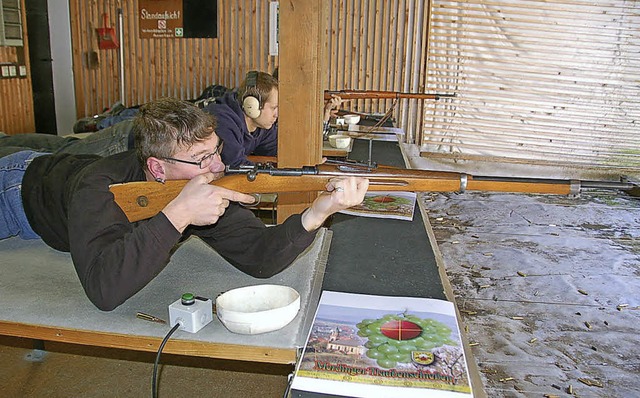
{"x": 43, "y": 300}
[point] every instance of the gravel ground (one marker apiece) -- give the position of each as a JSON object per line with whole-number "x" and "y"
{"x": 548, "y": 289}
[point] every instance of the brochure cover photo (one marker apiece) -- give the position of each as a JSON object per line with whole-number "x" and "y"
{"x": 396, "y": 205}
{"x": 364, "y": 346}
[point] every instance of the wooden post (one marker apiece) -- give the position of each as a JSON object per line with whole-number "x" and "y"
{"x": 301, "y": 72}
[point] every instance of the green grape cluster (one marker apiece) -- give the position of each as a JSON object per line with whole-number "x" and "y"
{"x": 388, "y": 352}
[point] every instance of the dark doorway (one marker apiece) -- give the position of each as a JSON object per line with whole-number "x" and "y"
{"x": 41, "y": 72}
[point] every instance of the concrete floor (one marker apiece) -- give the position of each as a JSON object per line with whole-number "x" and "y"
{"x": 65, "y": 370}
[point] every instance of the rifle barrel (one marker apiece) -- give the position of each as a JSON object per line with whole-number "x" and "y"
{"x": 371, "y": 94}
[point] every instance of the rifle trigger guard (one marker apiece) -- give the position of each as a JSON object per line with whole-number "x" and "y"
{"x": 257, "y": 199}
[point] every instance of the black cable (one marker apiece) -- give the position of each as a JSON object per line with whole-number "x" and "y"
{"x": 154, "y": 382}
{"x": 288, "y": 389}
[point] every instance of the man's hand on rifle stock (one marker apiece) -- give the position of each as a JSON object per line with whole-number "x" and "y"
{"x": 200, "y": 203}
{"x": 341, "y": 194}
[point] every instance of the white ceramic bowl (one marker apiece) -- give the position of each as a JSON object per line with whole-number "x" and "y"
{"x": 257, "y": 309}
{"x": 339, "y": 141}
{"x": 352, "y": 119}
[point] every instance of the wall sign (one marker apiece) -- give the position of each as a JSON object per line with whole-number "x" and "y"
{"x": 177, "y": 19}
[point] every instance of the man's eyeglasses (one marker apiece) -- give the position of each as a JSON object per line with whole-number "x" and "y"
{"x": 206, "y": 160}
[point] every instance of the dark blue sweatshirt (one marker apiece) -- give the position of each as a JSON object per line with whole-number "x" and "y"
{"x": 238, "y": 141}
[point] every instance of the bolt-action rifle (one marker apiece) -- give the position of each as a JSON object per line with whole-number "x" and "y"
{"x": 141, "y": 200}
{"x": 371, "y": 94}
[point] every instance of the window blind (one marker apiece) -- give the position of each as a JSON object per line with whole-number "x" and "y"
{"x": 540, "y": 82}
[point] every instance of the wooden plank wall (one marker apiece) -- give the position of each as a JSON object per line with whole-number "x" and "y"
{"x": 374, "y": 45}
{"x": 156, "y": 68}
{"x": 380, "y": 45}
{"x": 16, "y": 96}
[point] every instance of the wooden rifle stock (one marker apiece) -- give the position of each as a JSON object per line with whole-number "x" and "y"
{"x": 371, "y": 94}
{"x": 141, "y": 200}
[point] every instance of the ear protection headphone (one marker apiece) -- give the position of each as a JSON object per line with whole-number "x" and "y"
{"x": 251, "y": 99}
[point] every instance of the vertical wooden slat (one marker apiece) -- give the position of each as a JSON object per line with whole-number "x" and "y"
{"x": 152, "y": 86}
{"x": 222, "y": 39}
{"x": 357, "y": 66}
{"x": 228, "y": 49}
{"x": 253, "y": 44}
{"x": 174, "y": 70}
{"x": 182, "y": 68}
{"x": 241, "y": 65}
{"x": 376, "y": 48}
{"x": 330, "y": 45}
{"x": 367, "y": 61}
{"x": 142, "y": 64}
{"x": 76, "y": 17}
{"x": 131, "y": 53}
{"x": 147, "y": 64}
{"x": 341, "y": 39}
{"x": 261, "y": 57}
{"x": 400, "y": 55}
{"x": 87, "y": 32}
{"x": 423, "y": 77}
{"x": 394, "y": 43}
{"x": 215, "y": 56}
{"x": 100, "y": 90}
{"x": 412, "y": 69}
{"x": 388, "y": 38}
{"x": 259, "y": 28}
{"x": 234, "y": 35}
{"x": 350, "y": 37}
{"x": 195, "y": 64}
{"x": 301, "y": 84}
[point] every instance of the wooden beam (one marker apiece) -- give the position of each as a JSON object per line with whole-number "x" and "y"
{"x": 148, "y": 343}
{"x": 301, "y": 73}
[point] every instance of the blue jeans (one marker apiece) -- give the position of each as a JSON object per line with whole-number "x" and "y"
{"x": 13, "y": 220}
{"x": 113, "y": 139}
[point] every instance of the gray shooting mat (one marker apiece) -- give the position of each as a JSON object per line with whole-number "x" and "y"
{"x": 39, "y": 286}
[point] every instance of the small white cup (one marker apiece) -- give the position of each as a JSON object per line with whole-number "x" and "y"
{"x": 352, "y": 119}
{"x": 339, "y": 141}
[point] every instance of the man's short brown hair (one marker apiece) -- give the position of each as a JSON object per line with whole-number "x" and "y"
{"x": 164, "y": 126}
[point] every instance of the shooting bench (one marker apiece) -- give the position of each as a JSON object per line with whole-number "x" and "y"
{"x": 42, "y": 299}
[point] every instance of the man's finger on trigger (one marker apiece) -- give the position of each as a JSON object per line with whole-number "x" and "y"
{"x": 240, "y": 197}
{"x": 256, "y": 198}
